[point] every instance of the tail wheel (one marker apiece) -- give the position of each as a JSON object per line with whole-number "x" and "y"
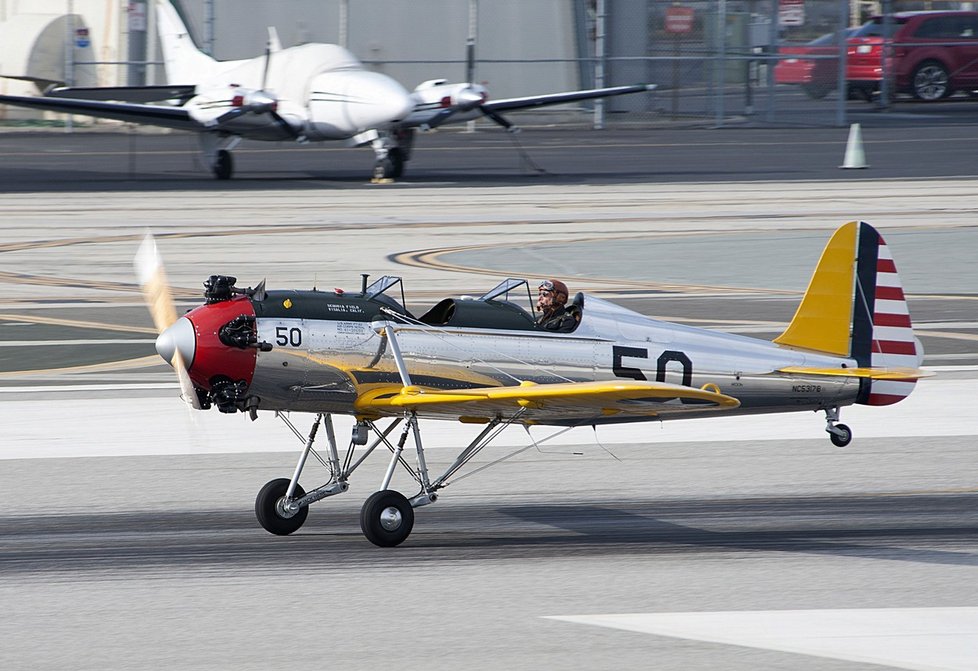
{"x": 387, "y": 518}
{"x": 223, "y": 165}
{"x": 268, "y": 509}
{"x": 843, "y": 438}
{"x": 931, "y": 81}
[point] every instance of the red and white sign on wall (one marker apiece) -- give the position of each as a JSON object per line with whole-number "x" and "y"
{"x": 791, "y": 12}
{"x": 679, "y": 20}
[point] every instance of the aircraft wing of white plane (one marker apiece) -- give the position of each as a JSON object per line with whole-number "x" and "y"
{"x": 311, "y": 92}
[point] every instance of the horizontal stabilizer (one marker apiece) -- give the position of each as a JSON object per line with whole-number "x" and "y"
{"x": 166, "y": 116}
{"x": 43, "y": 85}
{"x": 131, "y": 94}
{"x": 565, "y": 401}
{"x": 903, "y": 374}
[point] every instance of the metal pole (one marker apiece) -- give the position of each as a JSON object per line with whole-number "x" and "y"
{"x": 885, "y": 55}
{"x": 721, "y": 59}
{"x": 70, "y": 57}
{"x": 209, "y": 27}
{"x": 599, "y": 56}
{"x": 151, "y": 39}
{"x": 843, "y": 80}
{"x": 773, "y": 50}
{"x": 470, "y": 49}
{"x": 137, "y": 22}
{"x": 344, "y": 20}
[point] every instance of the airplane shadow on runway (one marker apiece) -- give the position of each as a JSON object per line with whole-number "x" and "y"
{"x": 849, "y": 527}
{"x": 932, "y": 529}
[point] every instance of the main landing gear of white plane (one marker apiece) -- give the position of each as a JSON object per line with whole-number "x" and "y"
{"x": 387, "y": 517}
{"x": 839, "y": 434}
{"x": 392, "y": 151}
{"x": 223, "y": 166}
{"x": 217, "y": 153}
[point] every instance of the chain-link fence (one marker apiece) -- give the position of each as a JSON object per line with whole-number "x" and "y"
{"x": 716, "y": 62}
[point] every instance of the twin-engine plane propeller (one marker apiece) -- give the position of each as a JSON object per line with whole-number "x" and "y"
{"x": 485, "y": 360}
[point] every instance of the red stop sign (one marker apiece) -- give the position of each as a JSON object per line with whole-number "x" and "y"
{"x": 679, "y": 20}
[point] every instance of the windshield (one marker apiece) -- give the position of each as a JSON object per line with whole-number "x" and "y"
{"x": 502, "y": 292}
{"x": 876, "y": 28}
{"x": 830, "y": 38}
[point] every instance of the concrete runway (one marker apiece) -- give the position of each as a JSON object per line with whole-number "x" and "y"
{"x": 679, "y": 547}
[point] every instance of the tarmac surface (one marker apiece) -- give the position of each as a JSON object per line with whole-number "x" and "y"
{"x": 127, "y": 537}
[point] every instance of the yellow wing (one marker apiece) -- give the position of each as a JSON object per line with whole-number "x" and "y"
{"x": 547, "y": 403}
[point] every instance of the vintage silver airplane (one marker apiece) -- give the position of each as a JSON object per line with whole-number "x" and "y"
{"x": 486, "y": 361}
{"x": 308, "y": 93}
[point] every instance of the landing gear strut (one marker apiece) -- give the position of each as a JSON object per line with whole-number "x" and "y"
{"x": 387, "y": 517}
{"x": 839, "y": 434}
{"x": 217, "y": 153}
{"x": 391, "y": 152}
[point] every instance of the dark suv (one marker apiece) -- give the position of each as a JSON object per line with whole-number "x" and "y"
{"x": 932, "y": 54}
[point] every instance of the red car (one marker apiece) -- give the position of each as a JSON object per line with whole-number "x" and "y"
{"x": 816, "y": 76}
{"x": 932, "y": 55}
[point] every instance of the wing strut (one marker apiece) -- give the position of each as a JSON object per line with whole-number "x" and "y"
{"x": 386, "y": 329}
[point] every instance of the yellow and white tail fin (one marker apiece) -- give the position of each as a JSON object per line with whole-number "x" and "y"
{"x": 183, "y": 61}
{"x": 855, "y": 307}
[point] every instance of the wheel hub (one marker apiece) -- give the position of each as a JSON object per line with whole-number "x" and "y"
{"x": 390, "y": 518}
{"x": 283, "y": 510}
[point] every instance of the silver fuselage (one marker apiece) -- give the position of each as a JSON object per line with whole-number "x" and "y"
{"x": 321, "y": 365}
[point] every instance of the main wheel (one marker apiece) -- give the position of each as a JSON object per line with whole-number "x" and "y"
{"x": 396, "y": 158}
{"x": 223, "y": 164}
{"x": 841, "y": 440}
{"x": 386, "y": 518}
{"x": 931, "y": 81}
{"x": 390, "y": 167}
{"x": 816, "y": 91}
{"x": 270, "y": 516}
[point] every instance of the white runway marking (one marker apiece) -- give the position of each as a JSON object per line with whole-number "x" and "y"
{"x": 928, "y": 639}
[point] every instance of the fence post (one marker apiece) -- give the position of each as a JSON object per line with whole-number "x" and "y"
{"x": 840, "y": 104}
{"x": 885, "y": 92}
{"x": 70, "y": 56}
{"x": 720, "y": 60}
{"x": 773, "y": 58}
{"x": 599, "y": 56}
{"x": 209, "y": 29}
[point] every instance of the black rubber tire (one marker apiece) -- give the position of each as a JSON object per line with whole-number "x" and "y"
{"x": 378, "y": 510}
{"x": 931, "y": 82}
{"x": 816, "y": 91}
{"x": 396, "y": 158}
{"x": 267, "y": 513}
{"x": 841, "y": 441}
{"x": 223, "y": 164}
{"x": 391, "y": 167}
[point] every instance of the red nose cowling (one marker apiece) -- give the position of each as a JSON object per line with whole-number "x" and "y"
{"x": 215, "y": 361}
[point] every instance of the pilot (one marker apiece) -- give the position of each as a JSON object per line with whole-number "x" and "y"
{"x": 552, "y": 303}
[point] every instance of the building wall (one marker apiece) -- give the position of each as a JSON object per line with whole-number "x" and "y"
{"x": 426, "y": 33}
{"x": 33, "y": 34}
{"x": 523, "y": 46}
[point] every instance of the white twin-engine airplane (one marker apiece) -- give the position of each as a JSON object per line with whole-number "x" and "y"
{"x": 486, "y": 361}
{"x": 308, "y": 93}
